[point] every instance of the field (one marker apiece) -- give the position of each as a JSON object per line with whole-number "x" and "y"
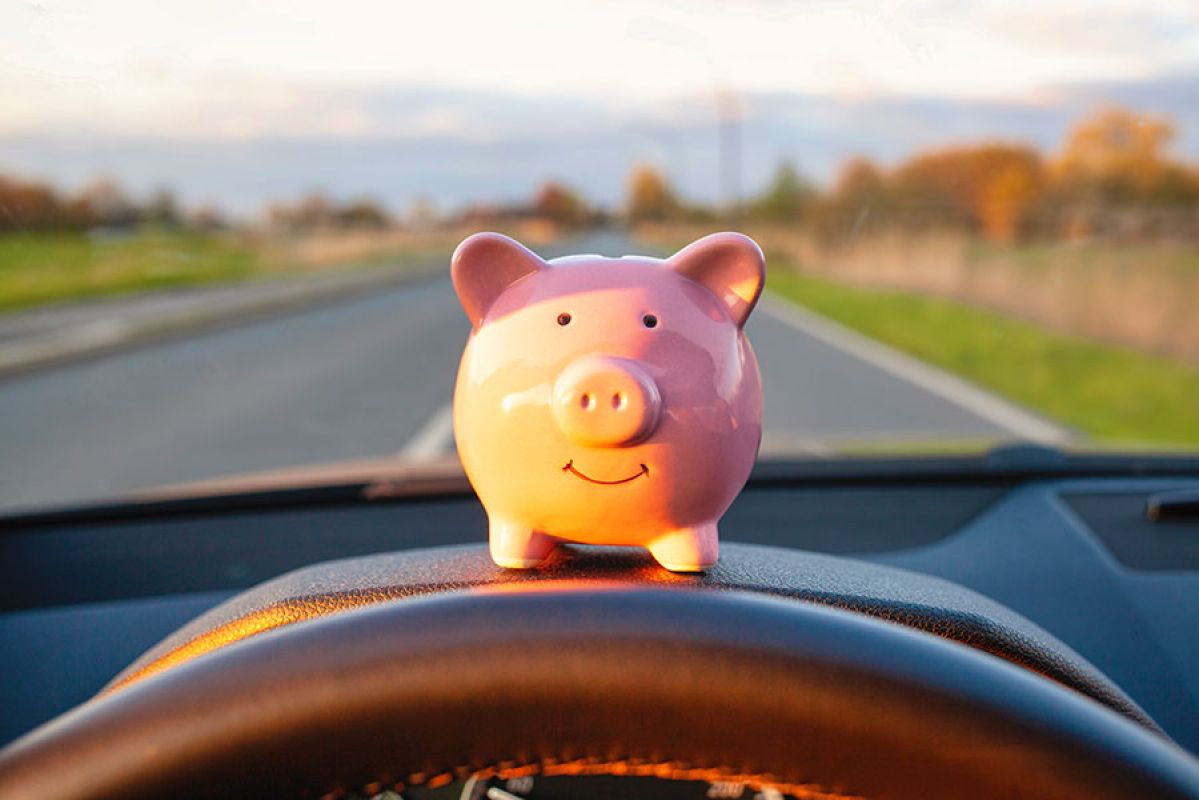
{"x": 41, "y": 268}
{"x": 1143, "y": 295}
{"x": 1113, "y": 395}
{"x": 1138, "y": 294}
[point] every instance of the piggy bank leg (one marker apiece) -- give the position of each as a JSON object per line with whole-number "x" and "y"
{"x": 687, "y": 549}
{"x": 516, "y": 546}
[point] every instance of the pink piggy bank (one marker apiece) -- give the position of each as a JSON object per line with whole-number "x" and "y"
{"x": 609, "y": 401}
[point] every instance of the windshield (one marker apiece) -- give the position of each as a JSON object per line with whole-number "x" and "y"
{"x": 225, "y": 227}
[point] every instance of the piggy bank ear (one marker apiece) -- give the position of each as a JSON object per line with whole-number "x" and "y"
{"x": 730, "y": 265}
{"x": 484, "y": 266}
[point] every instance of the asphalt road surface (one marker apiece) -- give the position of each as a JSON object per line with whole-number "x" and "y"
{"x": 373, "y": 376}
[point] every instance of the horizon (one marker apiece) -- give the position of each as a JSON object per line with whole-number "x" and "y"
{"x": 239, "y": 105}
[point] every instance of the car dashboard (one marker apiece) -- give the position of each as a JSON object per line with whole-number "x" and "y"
{"x": 1065, "y": 543}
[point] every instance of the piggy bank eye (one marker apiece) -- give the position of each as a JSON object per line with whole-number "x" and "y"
{"x": 649, "y": 321}
{"x": 564, "y": 318}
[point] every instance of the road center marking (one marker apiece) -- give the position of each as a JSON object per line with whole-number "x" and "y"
{"x": 434, "y": 439}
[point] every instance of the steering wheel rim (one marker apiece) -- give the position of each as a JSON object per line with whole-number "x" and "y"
{"x": 768, "y": 691}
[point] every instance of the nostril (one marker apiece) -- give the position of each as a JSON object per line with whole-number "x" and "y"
{"x": 604, "y": 401}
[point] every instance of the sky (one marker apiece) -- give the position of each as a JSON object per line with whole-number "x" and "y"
{"x": 238, "y": 102}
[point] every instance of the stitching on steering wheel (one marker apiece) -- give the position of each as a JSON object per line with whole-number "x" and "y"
{"x": 549, "y": 766}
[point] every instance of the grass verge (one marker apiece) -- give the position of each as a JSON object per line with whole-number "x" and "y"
{"x": 1114, "y": 395}
{"x": 40, "y": 268}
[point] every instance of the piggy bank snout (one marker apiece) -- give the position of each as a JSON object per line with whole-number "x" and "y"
{"x": 606, "y": 402}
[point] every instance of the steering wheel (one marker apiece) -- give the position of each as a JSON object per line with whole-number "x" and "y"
{"x": 591, "y": 669}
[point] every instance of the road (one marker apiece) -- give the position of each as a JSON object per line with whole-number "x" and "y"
{"x": 373, "y": 376}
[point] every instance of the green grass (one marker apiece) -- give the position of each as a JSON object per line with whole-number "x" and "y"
{"x": 39, "y": 268}
{"x": 1114, "y": 395}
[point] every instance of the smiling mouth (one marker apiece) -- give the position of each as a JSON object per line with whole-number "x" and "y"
{"x": 570, "y": 467}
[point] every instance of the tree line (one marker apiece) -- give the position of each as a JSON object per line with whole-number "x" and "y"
{"x": 29, "y": 205}
{"x": 1114, "y": 175}
{"x": 33, "y": 205}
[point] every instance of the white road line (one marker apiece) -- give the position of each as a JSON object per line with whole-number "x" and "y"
{"x": 782, "y": 445}
{"x": 435, "y": 438}
{"x": 100, "y": 333}
{"x": 958, "y": 391}
{"x": 496, "y": 793}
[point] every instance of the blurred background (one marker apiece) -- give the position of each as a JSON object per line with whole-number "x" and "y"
{"x": 225, "y": 227}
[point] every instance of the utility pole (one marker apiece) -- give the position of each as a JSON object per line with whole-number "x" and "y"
{"x": 729, "y": 113}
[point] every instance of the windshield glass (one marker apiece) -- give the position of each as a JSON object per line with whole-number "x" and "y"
{"x": 225, "y": 227}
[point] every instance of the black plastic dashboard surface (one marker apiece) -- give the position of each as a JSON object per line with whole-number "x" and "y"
{"x": 84, "y": 593}
{"x": 80, "y": 561}
{"x": 1118, "y": 519}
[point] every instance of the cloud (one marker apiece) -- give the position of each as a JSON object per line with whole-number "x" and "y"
{"x": 460, "y": 146}
{"x": 236, "y": 68}
{"x": 1165, "y": 38}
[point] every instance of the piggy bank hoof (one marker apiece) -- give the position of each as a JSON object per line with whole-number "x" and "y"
{"x": 514, "y": 546}
{"x": 687, "y": 549}
{"x": 508, "y": 562}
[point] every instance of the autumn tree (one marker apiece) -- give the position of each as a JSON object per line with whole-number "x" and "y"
{"x": 1008, "y": 193}
{"x": 859, "y": 192}
{"x": 109, "y": 204}
{"x": 1118, "y": 156}
{"x": 161, "y": 210}
{"x": 313, "y": 211}
{"x": 650, "y": 197}
{"x": 422, "y": 213}
{"x": 860, "y": 186}
{"x": 786, "y": 197}
{"x": 988, "y": 188}
{"x": 365, "y": 213}
{"x": 559, "y": 204}
{"x": 1118, "y": 148}
{"x": 27, "y": 205}
{"x": 207, "y": 218}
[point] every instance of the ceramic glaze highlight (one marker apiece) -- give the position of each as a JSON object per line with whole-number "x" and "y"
{"x": 608, "y": 401}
